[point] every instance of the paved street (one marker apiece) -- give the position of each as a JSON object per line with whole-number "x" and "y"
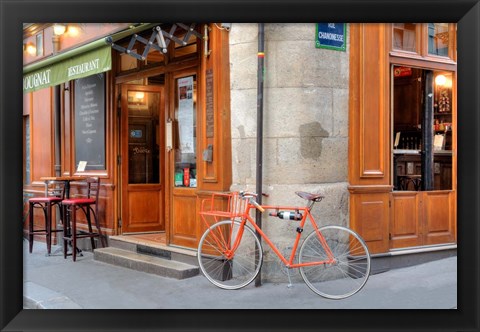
{"x": 55, "y": 283}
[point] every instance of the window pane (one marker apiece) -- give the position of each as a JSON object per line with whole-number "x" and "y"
{"x": 438, "y": 39}
{"x": 143, "y": 137}
{"x": 404, "y": 36}
{"x": 185, "y": 116}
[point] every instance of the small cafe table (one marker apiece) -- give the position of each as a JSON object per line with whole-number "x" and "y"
{"x": 67, "y": 180}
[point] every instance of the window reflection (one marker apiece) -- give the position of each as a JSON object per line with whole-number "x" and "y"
{"x": 404, "y": 37}
{"x": 438, "y": 39}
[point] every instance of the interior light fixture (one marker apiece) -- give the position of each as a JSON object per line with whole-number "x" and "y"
{"x": 440, "y": 80}
{"x": 139, "y": 95}
{"x": 59, "y": 29}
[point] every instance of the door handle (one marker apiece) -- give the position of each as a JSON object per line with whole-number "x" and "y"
{"x": 169, "y": 135}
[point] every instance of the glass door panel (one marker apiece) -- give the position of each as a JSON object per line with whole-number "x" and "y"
{"x": 186, "y": 138}
{"x": 143, "y": 137}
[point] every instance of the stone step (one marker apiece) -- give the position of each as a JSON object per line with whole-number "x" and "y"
{"x": 132, "y": 244}
{"x": 145, "y": 263}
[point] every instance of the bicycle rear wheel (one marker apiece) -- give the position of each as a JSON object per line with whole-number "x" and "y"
{"x": 350, "y": 271}
{"x": 224, "y": 270}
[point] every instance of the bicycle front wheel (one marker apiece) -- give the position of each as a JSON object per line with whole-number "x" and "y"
{"x": 349, "y": 271}
{"x": 221, "y": 266}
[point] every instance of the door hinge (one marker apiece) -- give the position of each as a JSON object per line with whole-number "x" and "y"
{"x": 390, "y": 236}
{"x": 389, "y": 203}
{"x": 119, "y": 223}
{"x": 119, "y": 160}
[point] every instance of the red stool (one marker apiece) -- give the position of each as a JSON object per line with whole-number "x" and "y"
{"x": 54, "y": 194}
{"x": 89, "y": 206}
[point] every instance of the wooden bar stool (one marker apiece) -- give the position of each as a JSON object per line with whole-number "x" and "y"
{"x": 54, "y": 194}
{"x": 89, "y": 206}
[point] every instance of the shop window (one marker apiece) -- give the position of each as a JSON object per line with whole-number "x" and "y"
{"x": 404, "y": 36}
{"x": 438, "y": 37}
{"x": 127, "y": 62}
{"x": 188, "y": 49}
{"x": 186, "y": 136}
{"x": 422, "y": 129}
{"x": 154, "y": 57}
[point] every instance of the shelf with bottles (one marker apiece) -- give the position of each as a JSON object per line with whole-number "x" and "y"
{"x": 408, "y": 140}
{"x": 441, "y": 125}
{"x": 185, "y": 175}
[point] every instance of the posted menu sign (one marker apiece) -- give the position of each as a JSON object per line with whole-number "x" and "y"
{"x": 332, "y": 36}
{"x": 90, "y": 121}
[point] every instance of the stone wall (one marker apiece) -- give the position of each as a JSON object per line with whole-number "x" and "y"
{"x": 305, "y": 125}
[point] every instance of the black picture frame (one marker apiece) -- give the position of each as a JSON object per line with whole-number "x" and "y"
{"x": 14, "y": 13}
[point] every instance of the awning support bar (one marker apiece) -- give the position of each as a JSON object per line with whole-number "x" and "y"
{"x": 157, "y": 35}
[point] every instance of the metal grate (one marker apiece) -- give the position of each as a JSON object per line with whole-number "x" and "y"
{"x": 159, "y": 40}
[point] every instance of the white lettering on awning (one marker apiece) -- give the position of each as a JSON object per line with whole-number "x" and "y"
{"x": 83, "y": 67}
{"x": 36, "y": 80}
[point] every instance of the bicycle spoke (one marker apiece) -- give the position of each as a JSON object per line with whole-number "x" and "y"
{"x": 243, "y": 265}
{"x": 350, "y": 269}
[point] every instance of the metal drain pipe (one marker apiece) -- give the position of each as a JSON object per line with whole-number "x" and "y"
{"x": 259, "y": 172}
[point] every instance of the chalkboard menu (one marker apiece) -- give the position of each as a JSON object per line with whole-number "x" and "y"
{"x": 90, "y": 121}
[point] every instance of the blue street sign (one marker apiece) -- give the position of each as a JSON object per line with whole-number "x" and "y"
{"x": 332, "y": 36}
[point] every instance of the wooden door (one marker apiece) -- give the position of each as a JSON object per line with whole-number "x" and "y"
{"x": 143, "y": 158}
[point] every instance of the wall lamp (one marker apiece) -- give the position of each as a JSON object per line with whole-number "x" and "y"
{"x": 59, "y": 29}
{"x": 30, "y": 48}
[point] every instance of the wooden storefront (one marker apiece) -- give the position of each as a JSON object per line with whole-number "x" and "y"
{"x": 402, "y": 177}
{"x": 162, "y": 118}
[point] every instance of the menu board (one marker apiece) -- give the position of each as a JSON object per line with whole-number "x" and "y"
{"x": 90, "y": 121}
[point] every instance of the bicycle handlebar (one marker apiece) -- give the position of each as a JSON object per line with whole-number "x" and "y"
{"x": 254, "y": 203}
{"x": 250, "y": 196}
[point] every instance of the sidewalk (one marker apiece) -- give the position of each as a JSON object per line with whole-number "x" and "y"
{"x": 55, "y": 283}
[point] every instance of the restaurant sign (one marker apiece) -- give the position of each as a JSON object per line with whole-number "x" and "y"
{"x": 331, "y": 36}
{"x": 83, "y": 65}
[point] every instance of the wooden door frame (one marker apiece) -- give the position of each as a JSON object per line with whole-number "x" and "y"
{"x": 123, "y": 149}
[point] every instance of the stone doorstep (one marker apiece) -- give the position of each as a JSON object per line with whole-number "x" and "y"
{"x": 145, "y": 263}
{"x": 39, "y": 297}
{"x": 188, "y": 256}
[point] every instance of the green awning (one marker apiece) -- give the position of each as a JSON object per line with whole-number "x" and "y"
{"x": 86, "y": 60}
{"x": 85, "y": 64}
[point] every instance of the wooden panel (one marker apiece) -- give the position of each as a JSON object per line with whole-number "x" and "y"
{"x": 144, "y": 209}
{"x": 369, "y": 215}
{"x": 369, "y": 105}
{"x": 184, "y": 230}
{"x": 405, "y": 228}
{"x": 439, "y": 217}
{"x": 215, "y": 78}
{"x": 41, "y": 139}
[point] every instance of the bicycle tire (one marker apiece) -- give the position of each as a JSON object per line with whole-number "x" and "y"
{"x": 238, "y": 271}
{"x": 348, "y": 275}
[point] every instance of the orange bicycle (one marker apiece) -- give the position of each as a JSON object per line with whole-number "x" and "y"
{"x": 334, "y": 261}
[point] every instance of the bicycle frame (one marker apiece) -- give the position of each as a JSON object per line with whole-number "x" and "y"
{"x": 288, "y": 263}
